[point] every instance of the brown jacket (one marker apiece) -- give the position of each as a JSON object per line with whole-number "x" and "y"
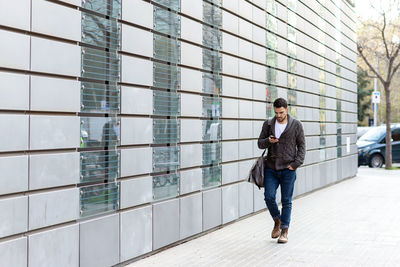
{"x": 291, "y": 148}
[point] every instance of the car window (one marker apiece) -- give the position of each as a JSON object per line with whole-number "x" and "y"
{"x": 396, "y": 135}
{"x": 373, "y": 134}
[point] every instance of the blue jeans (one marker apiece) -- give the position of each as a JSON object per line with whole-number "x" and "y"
{"x": 272, "y": 179}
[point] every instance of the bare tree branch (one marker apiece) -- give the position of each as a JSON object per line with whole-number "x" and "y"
{"x": 383, "y": 35}
{"x": 360, "y": 51}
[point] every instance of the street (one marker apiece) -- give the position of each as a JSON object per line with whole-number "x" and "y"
{"x": 352, "y": 223}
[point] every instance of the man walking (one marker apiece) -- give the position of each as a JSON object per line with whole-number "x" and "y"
{"x": 284, "y": 138}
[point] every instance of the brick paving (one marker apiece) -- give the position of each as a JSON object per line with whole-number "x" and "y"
{"x": 353, "y": 223}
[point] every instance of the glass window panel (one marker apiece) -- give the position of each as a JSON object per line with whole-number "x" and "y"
{"x": 99, "y": 166}
{"x": 100, "y": 98}
{"x": 322, "y": 154}
{"x": 292, "y": 50}
{"x": 292, "y": 111}
{"x": 270, "y": 110}
{"x": 292, "y": 5}
{"x": 292, "y": 97}
{"x": 272, "y": 41}
{"x": 215, "y": 2}
{"x": 211, "y": 176}
{"x": 292, "y": 81}
{"x": 99, "y": 64}
{"x": 272, "y": 58}
{"x": 212, "y": 37}
{"x": 166, "y": 76}
{"x": 165, "y": 158}
{"x": 338, "y": 80}
{"x": 212, "y": 60}
{"x": 322, "y": 141}
{"x": 321, "y": 63}
{"x": 272, "y": 23}
{"x": 100, "y": 132}
{"x": 211, "y": 153}
{"x": 171, "y": 4}
{"x": 165, "y": 186}
{"x": 109, "y": 8}
{"x": 166, "y": 49}
{"x": 291, "y": 65}
{"x": 99, "y": 199}
{"x": 212, "y": 83}
{"x": 322, "y": 102}
{"x": 291, "y": 18}
{"x": 271, "y": 7}
{"x": 165, "y": 131}
{"x": 322, "y": 127}
{"x": 272, "y": 93}
{"x": 211, "y": 107}
{"x": 100, "y": 31}
{"x": 212, "y": 130}
{"x": 166, "y": 103}
{"x": 167, "y": 22}
{"x": 291, "y": 34}
{"x": 272, "y": 75}
{"x": 212, "y": 14}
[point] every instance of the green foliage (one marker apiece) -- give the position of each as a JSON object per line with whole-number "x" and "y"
{"x": 364, "y": 90}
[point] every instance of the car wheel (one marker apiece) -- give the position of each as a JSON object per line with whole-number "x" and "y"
{"x": 376, "y": 161}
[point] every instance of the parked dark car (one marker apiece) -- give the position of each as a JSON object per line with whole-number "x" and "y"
{"x": 371, "y": 146}
{"x": 361, "y": 130}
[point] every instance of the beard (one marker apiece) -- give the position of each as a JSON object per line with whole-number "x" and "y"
{"x": 281, "y": 118}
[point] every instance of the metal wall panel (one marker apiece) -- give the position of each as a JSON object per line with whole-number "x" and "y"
{"x": 136, "y": 191}
{"x": 44, "y": 247}
{"x": 14, "y": 50}
{"x": 53, "y": 208}
{"x": 136, "y": 161}
{"x": 14, "y": 174}
{"x": 14, "y": 91}
{"x": 136, "y": 71}
{"x": 137, "y": 41}
{"x": 136, "y": 131}
{"x": 14, "y": 134}
{"x": 165, "y": 223}
{"x": 50, "y": 18}
{"x": 55, "y": 57}
{"x": 50, "y": 132}
{"x": 138, "y": 12}
{"x": 212, "y": 208}
{"x": 135, "y": 232}
{"x": 50, "y": 94}
{"x": 14, "y": 252}
{"x": 230, "y": 203}
{"x": 51, "y": 170}
{"x": 190, "y": 215}
{"x": 13, "y": 216}
{"x": 99, "y": 242}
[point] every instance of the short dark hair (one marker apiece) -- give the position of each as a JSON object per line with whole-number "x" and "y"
{"x": 280, "y": 102}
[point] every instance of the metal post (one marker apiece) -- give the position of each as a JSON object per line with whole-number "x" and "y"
{"x": 375, "y": 89}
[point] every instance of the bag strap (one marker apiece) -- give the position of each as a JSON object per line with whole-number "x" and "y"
{"x": 268, "y": 124}
{"x": 262, "y": 155}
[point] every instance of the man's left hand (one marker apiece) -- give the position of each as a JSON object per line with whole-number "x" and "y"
{"x": 290, "y": 168}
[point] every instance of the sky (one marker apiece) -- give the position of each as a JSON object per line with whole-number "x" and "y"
{"x": 363, "y": 8}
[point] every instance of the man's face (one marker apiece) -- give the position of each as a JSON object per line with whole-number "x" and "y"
{"x": 281, "y": 113}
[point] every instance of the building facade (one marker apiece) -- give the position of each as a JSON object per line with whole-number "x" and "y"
{"x": 130, "y": 125}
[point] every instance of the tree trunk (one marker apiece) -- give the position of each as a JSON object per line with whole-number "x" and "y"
{"x": 388, "y": 154}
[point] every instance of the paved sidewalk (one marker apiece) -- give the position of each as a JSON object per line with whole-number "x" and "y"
{"x": 353, "y": 223}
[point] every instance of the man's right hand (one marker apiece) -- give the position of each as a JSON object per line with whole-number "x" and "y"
{"x": 273, "y": 140}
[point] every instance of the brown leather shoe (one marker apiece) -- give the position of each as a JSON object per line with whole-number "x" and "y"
{"x": 283, "y": 238}
{"x": 276, "y": 231}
